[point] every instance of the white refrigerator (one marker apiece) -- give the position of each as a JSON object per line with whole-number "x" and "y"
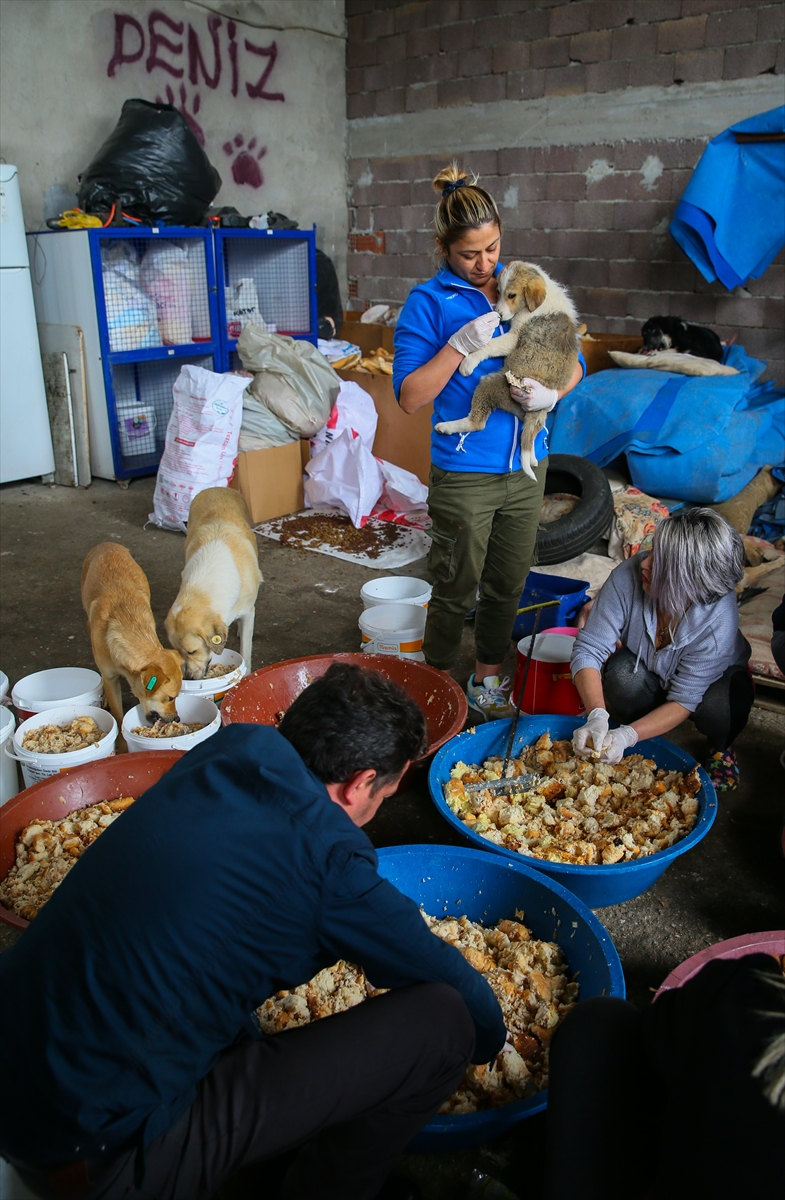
{"x": 25, "y": 439}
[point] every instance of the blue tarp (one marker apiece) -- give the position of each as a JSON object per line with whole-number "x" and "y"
{"x": 731, "y": 218}
{"x": 697, "y": 439}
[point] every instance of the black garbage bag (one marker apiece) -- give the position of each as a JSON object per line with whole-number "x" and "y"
{"x": 153, "y": 167}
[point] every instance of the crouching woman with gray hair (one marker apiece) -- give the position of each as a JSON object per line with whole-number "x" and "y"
{"x": 662, "y": 643}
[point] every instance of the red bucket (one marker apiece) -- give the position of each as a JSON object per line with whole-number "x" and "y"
{"x": 549, "y": 688}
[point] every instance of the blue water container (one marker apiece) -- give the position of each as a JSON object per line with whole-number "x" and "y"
{"x": 572, "y": 594}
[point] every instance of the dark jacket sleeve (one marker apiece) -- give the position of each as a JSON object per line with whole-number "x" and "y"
{"x": 368, "y": 921}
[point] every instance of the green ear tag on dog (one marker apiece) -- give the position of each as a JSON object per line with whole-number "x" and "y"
{"x": 152, "y": 683}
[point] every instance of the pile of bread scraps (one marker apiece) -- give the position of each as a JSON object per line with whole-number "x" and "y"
{"x": 380, "y": 363}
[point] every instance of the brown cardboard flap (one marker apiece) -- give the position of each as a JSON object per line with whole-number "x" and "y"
{"x": 401, "y": 438}
{"x": 595, "y": 347}
{"x": 270, "y": 481}
{"x": 367, "y": 337}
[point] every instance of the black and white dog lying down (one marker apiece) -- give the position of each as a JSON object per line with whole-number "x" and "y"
{"x": 671, "y": 333}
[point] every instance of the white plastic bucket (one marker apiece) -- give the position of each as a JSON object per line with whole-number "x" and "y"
{"x": 36, "y": 766}
{"x": 215, "y": 689}
{"x": 394, "y": 629}
{"x": 51, "y": 689}
{"x": 3, "y": 687}
{"x": 189, "y": 709}
{"x": 9, "y": 780}
{"x": 395, "y": 589}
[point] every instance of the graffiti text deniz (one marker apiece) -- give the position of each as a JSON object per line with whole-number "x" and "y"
{"x": 167, "y": 46}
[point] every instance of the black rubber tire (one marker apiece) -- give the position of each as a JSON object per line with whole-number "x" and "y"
{"x": 589, "y": 520}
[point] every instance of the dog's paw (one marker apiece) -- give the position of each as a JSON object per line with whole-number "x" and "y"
{"x": 470, "y": 362}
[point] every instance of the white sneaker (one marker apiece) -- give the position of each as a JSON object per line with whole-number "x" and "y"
{"x": 491, "y": 698}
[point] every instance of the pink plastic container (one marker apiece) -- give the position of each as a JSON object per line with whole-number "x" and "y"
{"x": 772, "y": 942}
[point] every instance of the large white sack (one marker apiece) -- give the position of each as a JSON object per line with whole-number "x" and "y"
{"x": 201, "y": 442}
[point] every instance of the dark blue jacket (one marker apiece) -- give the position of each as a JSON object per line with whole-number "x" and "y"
{"x": 433, "y": 312}
{"x": 233, "y": 877}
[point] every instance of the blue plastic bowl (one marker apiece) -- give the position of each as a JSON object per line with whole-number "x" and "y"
{"x": 598, "y": 885}
{"x": 452, "y": 881}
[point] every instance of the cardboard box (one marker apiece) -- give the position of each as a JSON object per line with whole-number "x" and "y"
{"x": 367, "y": 337}
{"x": 270, "y": 481}
{"x": 595, "y": 349}
{"x": 401, "y": 438}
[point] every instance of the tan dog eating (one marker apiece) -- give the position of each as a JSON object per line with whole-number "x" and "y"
{"x": 116, "y": 598}
{"x": 542, "y": 344}
{"x": 220, "y": 581}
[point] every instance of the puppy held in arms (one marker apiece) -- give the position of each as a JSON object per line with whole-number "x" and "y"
{"x": 220, "y": 581}
{"x": 542, "y": 344}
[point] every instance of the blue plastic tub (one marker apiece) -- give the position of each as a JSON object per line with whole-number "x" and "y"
{"x": 452, "y": 881}
{"x": 572, "y": 594}
{"x": 597, "y": 885}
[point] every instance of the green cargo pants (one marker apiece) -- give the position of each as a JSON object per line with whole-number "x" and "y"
{"x": 484, "y": 531}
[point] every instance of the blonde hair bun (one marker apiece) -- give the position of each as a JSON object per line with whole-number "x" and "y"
{"x": 463, "y": 206}
{"x": 452, "y": 174}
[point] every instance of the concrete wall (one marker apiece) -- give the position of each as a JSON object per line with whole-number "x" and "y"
{"x": 66, "y": 67}
{"x": 585, "y": 121}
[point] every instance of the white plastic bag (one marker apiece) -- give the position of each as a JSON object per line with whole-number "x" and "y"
{"x": 201, "y": 442}
{"x": 402, "y": 491}
{"x": 166, "y": 277}
{"x": 344, "y": 475}
{"x": 354, "y": 409}
{"x": 242, "y": 308}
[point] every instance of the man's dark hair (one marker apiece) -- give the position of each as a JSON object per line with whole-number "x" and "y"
{"x": 353, "y": 719}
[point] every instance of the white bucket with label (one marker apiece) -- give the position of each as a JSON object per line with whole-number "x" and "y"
{"x": 9, "y": 780}
{"x": 190, "y": 709}
{"x": 395, "y": 589}
{"x": 37, "y": 765}
{"x": 50, "y": 689}
{"x": 216, "y": 688}
{"x": 394, "y": 629}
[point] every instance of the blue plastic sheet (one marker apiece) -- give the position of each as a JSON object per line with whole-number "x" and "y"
{"x": 731, "y": 218}
{"x": 697, "y": 439}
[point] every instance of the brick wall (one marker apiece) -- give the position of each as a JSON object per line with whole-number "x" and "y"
{"x": 595, "y": 216}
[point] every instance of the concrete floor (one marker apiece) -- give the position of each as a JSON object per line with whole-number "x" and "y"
{"x": 732, "y": 883}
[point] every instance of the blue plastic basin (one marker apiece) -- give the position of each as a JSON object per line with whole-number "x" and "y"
{"x": 453, "y": 881}
{"x": 595, "y": 885}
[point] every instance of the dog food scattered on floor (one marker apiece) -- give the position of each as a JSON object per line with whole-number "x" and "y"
{"x": 528, "y": 978}
{"x": 336, "y": 531}
{"x": 46, "y": 851}
{"x": 583, "y": 812}
{"x": 63, "y": 739}
{"x": 168, "y": 729}
{"x": 218, "y": 669}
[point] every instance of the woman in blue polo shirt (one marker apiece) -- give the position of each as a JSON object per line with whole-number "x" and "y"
{"x": 485, "y": 509}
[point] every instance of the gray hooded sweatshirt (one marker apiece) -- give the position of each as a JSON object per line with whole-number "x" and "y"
{"x": 705, "y": 643}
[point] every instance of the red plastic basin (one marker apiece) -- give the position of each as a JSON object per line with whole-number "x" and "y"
{"x": 260, "y": 697}
{"x": 56, "y": 797}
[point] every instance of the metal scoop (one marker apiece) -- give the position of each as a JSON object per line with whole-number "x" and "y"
{"x": 521, "y": 783}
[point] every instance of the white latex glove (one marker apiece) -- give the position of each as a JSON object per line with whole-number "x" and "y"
{"x": 533, "y": 396}
{"x": 616, "y": 742}
{"x": 475, "y": 334}
{"x": 591, "y": 736}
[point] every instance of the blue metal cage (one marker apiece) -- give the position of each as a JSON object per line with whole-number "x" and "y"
{"x": 267, "y": 274}
{"x": 156, "y": 303}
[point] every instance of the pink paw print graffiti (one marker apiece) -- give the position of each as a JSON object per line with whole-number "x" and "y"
{"x": 245, "y": 168}
{"x": 182, "y": 108}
